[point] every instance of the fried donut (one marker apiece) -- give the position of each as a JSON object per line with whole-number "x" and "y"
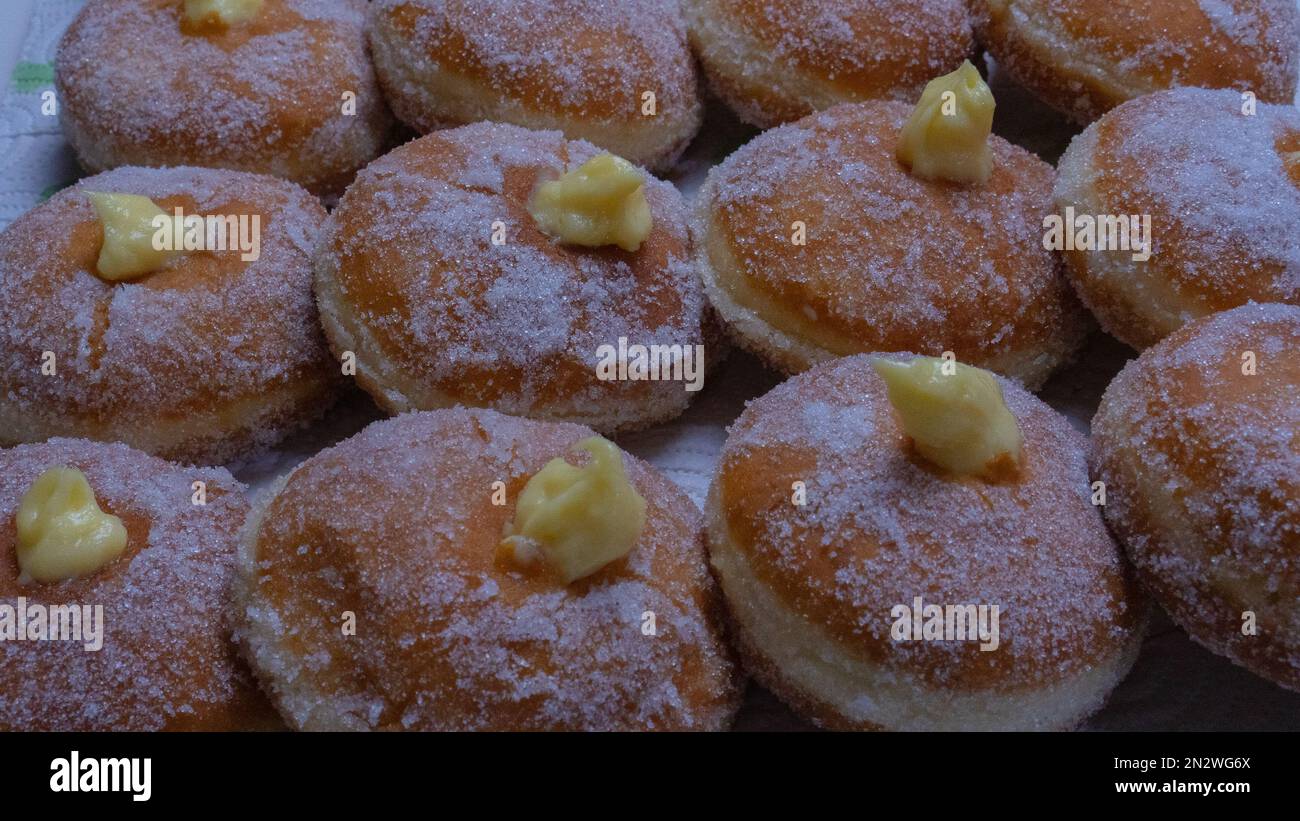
{"x": 206, "y": 360}
{"x": 773, "y": 62}
{"x": 410, "y": 280}
{"x": 583, "y": 67}
{"x": 397, "y": 526}
{"x": 274, "y": 95}
{"x": 166, "y": 661}
{"x": 1222, "y": 190}
{"x": 891, "y": 262}
{"x": 811, "y": 588}
{"x": 1196, "y": 442}
{"x": 1084, "y": 57}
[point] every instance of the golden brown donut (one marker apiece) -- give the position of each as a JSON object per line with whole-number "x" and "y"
{"x": 891, "y": 262}
{"x": 167, "y": 662}
{"x": 776, "y": 61}
{"x": 1085, "y": 57}
{"x": 397, "y": 526}
{"x": 410, "y": 280}
{"x": 582, "y": 67}
{"x": 204, "y": 361}
{"x": 1201, "y": 462}
{"x": 136, "y": 88}
{"x": 811, "y": 589}
{"x": 1222, "y": 190}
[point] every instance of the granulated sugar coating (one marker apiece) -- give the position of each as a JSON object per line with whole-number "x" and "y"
{"x": 881, "y": 527}
{"x": 1202, "y": 462}
{"x": 581, "y": 66}
{"x": 1086, "y": 56}
{"x": 266, "y": 95}
{"x": 774, "y": 61}
{"x": 891, "y": 262}
{"x": 1222, "y": 189}
{"x": 205, "y": 359}
{"x": 398, "y": 527}
{"x": 438, "y": 313}
{"x": 166, "y": 662}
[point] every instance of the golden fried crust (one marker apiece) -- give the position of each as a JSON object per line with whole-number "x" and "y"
{"x": 205, "y": 360}
{"x": 578, "y": 66}
{"x": 881, "y": 527}
{"x": 438, "y": 315}
{"x": 1222, "y": 190}
{"x": 167, "y": 662}
{"x": 775, "y": 62}
{"x": 397, "y": 526}
{"x": 266, "y": 96}
{"x": 1085, "y": 57}
{"x": 891, "y": 262}
{"x": 1202, "y": 467}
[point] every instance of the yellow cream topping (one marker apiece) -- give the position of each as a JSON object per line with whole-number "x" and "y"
{"x": 130, "y": 224}
{"x": 575, "y": 520}
{"x": 602, "y": 202}
{"x": 208, "y": 15}
{"x": 958, "y": 421}
{"x": 947, "y": 136}
{"x": 62, "y": 532}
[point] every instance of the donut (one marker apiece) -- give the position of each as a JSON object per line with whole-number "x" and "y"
{"x": 1221, "y": 190}
{"x": 437, "y": 279}
{"x": 620, "y": 76}
{"x": 812, "y": 589}
{"x": 206, "y": 360}
{"x": 1196, "y": 443}
{"x": 775, "y": 62}
{"x": 889, "y": 261}
{"x": 1084, "y": 57}
{"x": 397, "y": 527}
{"x": 290, "y": 92}
{"x": 164, "y": 659}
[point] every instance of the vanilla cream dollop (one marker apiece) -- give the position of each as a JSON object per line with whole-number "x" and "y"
{"x": 958, "y": 421}
{"x": 62, "y": 532}
{"x": 947, "y": 136}
{"x": 208, "y": 15}
{"x": 601, "y": 202}
{"x": 130, "y": 224}
{"x": 575, "y": 520}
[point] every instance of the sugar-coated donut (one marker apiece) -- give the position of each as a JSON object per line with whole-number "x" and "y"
{"x": 811, "y": 589}
{"x": 206, "y": 360}
{"x": 1084, "y": 57}
{"x": 290, "y": 93}
{"x": 773, "y": 62}
{"x": 583, "y": 67}
{"x": 890, "y": 262}
{"x": 410, "y": 280}
{"x": 1221, "y": 186}
{"x": 1196, "y": 442}
{"x": 166, "y": 661}
{"x": 397, "y": 526}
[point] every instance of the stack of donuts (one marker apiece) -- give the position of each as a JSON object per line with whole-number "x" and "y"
{"x": 446, "y": 211}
